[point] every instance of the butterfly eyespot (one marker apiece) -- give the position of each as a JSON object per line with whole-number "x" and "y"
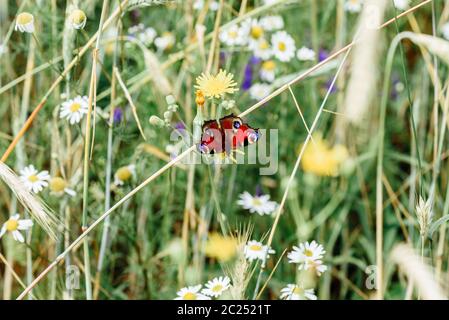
{"x": 236, "y": 124}
{"x": 253, "y": 137}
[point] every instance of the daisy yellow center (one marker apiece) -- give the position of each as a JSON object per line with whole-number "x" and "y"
{"x": 24, "y": 18}
{"x": 217, "y": 288}
{"x": 12, "y": 225}
{"x": 308, "y": 253}
{"x": 298, "y": 290}
{"x": 256, "y": 247}
{"x": 269, "y": 65}
{"x": 78, "y": 16}
{"x": 75, "y": 107}
{"x": 189, "y": 296}
{"x": 282, "y": 46}
{"x": 57, "y": 184}
{"x": 233, "y": 34}
{"x": 33, "y": 178}
{"x": 256, "y": 32}
{"x": 124, "y": 173}
{"x": 264, "y": 45}
{"x": 256, "y": 202}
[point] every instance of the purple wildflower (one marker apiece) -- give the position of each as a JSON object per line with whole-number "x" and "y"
{"x": 323, "y": 55}
{"x": 248, "y": 74}
{"x": 118, "y": 115}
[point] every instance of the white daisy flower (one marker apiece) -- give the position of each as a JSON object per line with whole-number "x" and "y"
{"x": 123, "y": 174}
{"x": 199, "y": 5}
{"x": 402, "y": 4}
{"x": 216, "y": 286}
{"x": 353, "y": 6}
{"x": 233, "y": 36}
{"x": 78, "y": 19}
{"x": 254, "y": 31}
{"x": 255, "y": 250}
{"x": 445, "y": 31}
{"x": 258, "y": 91}
{"x": 165, "y": 42}
{"x": 305, "y": 54}
{"x": 272, "y": 23}
{"x": 25, "y": 22}
{"x": 262, "y": 49}
{"x": 35, "y": 181}
{"x": 13, "y": 225}
{"x": 58, "y": 186}
{"x": 135, "y": 29}
{"x": 295, "y": 292}
{"x": 308, "y": 256}
{"x": 283, "y": 46}
{"x": 268, "y": 71}
{"x": 257, "y": 204}
{"x": 316, "y": 265}
{"x": 191, "y": 293}
{"x": 145, "y": 35}
{"x": 74, "y": 110}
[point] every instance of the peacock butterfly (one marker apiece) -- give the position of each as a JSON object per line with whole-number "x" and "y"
{"x": 225, "y": 135}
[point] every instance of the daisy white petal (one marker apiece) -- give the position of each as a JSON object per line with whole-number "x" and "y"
{"x": 305, "y": 54}
{"x": 272, "y": 23}
{"x": 35, "y": 181}
{"x": 25, "y": 22}
{"x": 308, "y": 256}
{"x": 18, "y": 236}
{"x": 283, "y": 46}
{"x": 257, "y": 204}
{"x": 74, "y": 110}
{"x": 191, "y": 293}
{"x": 255, "y": 250}
{"x": 297, "y": 292}
{"x": 2, "y": 230}
{"x": 216, "y": 286}
{"x": 258, "y": 91}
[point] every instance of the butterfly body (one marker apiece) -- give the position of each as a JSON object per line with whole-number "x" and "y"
{"x": 225, "y": 135}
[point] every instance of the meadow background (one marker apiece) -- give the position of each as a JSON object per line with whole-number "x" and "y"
{"x": 369, "y": 183}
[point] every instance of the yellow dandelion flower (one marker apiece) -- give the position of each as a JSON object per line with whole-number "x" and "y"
{"x": 216, "y": 86}
{"x": 322, "y": 160}
{"x": 220, "y": 247}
